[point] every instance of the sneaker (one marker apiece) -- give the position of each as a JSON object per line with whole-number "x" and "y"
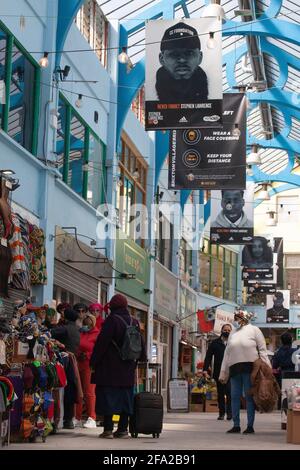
{"x": 68, "y": 425}
{"x": 249, "y": 430}
{"x": 90, "y": 423}
{"x": 121, "y": 434}
{"x": 234, "y": 430}
{"x": 77, "y": 423}
{"x": 106, "y": 435}
{"x": 221, "y": 417}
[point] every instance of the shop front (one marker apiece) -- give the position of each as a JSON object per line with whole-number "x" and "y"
{"x": 133, "y": 268}
{"x": 81, "y": 273}
{"x": 188, "y": 321}
{"x": 165, "y": 316}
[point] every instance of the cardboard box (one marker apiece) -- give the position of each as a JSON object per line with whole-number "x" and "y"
{"x": 289, "y": 426}
{"x": 295, "y": 427}
{"x": 211, "y": 406}
{"x": 198, "y": 407}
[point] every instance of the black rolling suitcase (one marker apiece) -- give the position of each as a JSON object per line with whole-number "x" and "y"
{"x": 148, "y": 409}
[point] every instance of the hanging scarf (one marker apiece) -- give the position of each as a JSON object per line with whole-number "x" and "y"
{"x": 38, "y": 269}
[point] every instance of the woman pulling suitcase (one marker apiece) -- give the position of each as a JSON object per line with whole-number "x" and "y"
{"x": 118, "y": 348}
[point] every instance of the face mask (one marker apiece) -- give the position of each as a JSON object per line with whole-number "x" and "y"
{"x": 84, "y": 329}
{"x": 225, "y": 334}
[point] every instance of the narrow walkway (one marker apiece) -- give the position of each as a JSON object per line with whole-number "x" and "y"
{"x": 195, "y": 431}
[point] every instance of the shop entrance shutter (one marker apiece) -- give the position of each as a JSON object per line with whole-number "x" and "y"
{"x": 75, "y": 281}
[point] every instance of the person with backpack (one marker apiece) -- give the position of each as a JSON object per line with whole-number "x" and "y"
{"x": 118, "y": 348}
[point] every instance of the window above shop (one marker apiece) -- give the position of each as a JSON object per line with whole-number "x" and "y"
{"x": 80, "y": 155}
{"x": 218, "y": 271}
{"x": 19, "y": 92}
{"x": 93, "y": 25}
{"x": 131, "y": 193}
{"x": 138, "y": 105}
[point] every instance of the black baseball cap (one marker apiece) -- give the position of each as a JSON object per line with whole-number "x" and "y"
{"x": 180, "y": 36}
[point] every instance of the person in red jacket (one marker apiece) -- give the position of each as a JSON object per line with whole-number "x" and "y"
{"x": 88, "y": 336}
{"x": 97, "y": 311}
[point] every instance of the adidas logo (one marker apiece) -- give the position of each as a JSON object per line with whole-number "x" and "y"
{"x": 183, "y": 119}
{"x": 231, "y": 238}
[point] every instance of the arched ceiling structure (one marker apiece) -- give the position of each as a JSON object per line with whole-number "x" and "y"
{"x": 261, "y": 48}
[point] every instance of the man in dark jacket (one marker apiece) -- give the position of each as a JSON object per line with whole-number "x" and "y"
{"x": 216, "y": 351}
{"x": 68, "y": 334}
{"x": 282, "y": 359}
{"x": 114, "y": 377}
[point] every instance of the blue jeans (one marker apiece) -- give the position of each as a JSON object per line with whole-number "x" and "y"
{"x": 240, "y": 385}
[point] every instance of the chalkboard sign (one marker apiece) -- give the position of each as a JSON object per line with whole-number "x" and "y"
{"x": 178, "y": 396}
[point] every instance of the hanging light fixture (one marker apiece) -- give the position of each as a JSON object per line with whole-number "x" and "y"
{"x": 249, "y": 170}
{"x": 271, "y": 221}
{"x": 44, "y": 62}
{"x": 264, "y": 194}
{"x": 253, "y": 157}
{"x": 236, "y": 131}
{"x": 213, "y": 10}
{"x": 136, "y": 174}
{"x": 22, "y": 22}
{"x": 123, "y": 56}
{"x": 78, "y": 102}
{"x": 211, "y": 42}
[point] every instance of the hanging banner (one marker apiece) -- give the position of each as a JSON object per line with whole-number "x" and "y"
{"x": 183, "y": 73}
{"x": 211, "y": 158}
{"x": 204, "y": 325}
{"x": 257, "y": 260}
{"x": 260, "y": 288}
{"x": 232, "y": 216}
{"x": 278, "y": 307}
{"x": 222, "y": 318}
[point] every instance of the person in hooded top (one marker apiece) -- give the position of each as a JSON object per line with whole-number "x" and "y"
{"x": 96, "y": 309}
{"x": 88, "y": 336}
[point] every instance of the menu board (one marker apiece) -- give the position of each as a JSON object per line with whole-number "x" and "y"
{"x": 178, "y": 395}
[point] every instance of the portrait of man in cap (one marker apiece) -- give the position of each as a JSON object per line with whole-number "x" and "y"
{"x": 278, "y": 313}
{"x": 180, "y": 79}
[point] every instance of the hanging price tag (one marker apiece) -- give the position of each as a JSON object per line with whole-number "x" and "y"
{"x": 4, "y": 242}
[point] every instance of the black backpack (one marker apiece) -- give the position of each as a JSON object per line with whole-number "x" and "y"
{"x": 131, "y": 348}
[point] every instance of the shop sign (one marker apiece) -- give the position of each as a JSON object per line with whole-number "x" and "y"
{"x": 132, "y": 259}
{"x": 221, "y": 318}
{"x": 165, "y": 299}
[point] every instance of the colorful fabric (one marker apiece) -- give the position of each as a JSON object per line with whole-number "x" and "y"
{"x": 38, "y": 269}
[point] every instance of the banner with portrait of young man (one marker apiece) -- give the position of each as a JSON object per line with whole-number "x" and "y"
{"x": 231, "y": 216}
{"x": 278, "y": 307}
{"x": 183, "y": 85}
{"x": 211, "y": 158}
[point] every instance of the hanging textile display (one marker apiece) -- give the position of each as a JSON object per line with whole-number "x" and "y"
{"x": 20, "y": 276}
{"x": 38, "y": 269}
